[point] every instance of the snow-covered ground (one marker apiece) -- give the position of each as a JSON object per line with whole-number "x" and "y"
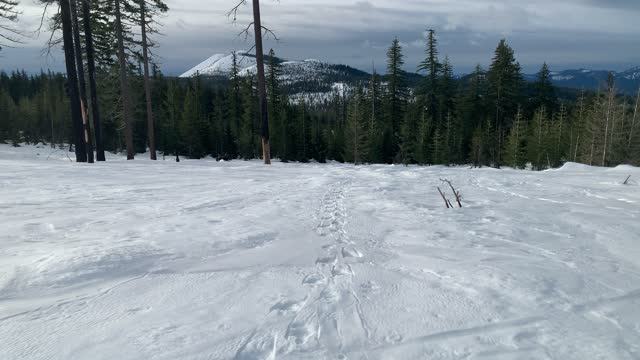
{"x": 206, "y": 260}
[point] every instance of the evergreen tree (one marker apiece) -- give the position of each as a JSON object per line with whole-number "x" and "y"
{"x": 147, "y": 13}
{"x": 471, "y": 110}
{"x": 515, "y": 150}
{"x": 276, "y": 118}
{"x": 375, "y": 135}
{"x": 545, "y": 94}
{"x": 447, "y": 91}
{"x": 430, "y": 86}
{"x": 504, "y": 95}
{"x": 395, "y": 101}
{"x": 355, "y": 136}
{"x": 539, "y": 140}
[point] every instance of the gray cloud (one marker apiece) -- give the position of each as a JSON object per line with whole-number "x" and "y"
{"x": 569, "y": 33}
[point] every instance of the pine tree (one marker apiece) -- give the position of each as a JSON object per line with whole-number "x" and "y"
{"x": 235, "y": 104}
{"x": 558, "y": 132}
{"x": 124, "y": 82}
{"x": 248, "y": 133}
{"x": 515, "y": 150}
{"x": 395, "y": 100}
{"x": 262, "y": 90}
{"x": 471, "y": 110}
{"x": 91, "y": 72}
{"x": 276, "y": 118}
{"x": 505, "y": 88}
{"x": 447, "y": 91}
{"x": 374, "y": 125}
{"x": 538, "y": 144}
{"x": 477, "y": 147}
{"x": 355, "y": 136}
{"x": 147, "y": 12}
{"x": 545, "y": 94}
{"x": 72, "y": 80}
{"x": 430, "y": 86}
{"x": 84, "y": 105}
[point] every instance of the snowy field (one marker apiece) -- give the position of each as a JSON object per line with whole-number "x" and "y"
{"x": 205, "y": 260}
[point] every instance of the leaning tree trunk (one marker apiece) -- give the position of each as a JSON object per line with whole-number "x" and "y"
{"x": 124, "y": 86}
{"x": 262, "y": 89}
{"x": 147, "y": 84}
{"x": 91, "y": 72}
{"x": 72, "y": 80}
{"x": 86, "y": 126}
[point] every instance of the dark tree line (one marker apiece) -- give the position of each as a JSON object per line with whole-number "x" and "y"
{"x": 489, "y": 118}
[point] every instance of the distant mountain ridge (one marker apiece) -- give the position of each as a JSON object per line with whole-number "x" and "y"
{"x": 322, "y": 78}
{"x": 627, "y": 81}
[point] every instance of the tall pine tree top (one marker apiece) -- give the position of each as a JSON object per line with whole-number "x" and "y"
{"x": 505, "y": 85}
{"x": 431, "y": 65}
{"x": 545, "y": 94}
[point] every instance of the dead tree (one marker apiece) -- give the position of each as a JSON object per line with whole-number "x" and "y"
{"x": 84, "y": 109}
{"x": 72, "y": 80}
{"x": 124, "y": 84}
{"x": 447, "y": 203}
{"x": 456, "y": 193}
{"x": 8, "y": 34}
{"x": 91, "y": 73}
{"x": 147, "y": 84}
{"x": 262, "y": 88}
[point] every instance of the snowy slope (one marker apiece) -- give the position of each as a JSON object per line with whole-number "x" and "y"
{"x": 221, "y": 64}
{"x": 310, "y": 80}
{"x": 206, "y": 260}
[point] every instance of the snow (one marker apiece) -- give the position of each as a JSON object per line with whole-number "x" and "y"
{"x": 221, "y": 64}
{"x": 236, "y": 260}
{"x": 562, "y": 77}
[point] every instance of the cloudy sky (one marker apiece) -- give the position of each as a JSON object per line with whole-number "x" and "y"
{"x": 565, "y": 33}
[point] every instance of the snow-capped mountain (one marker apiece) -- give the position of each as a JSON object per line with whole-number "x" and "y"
{"x": 221, "y": 64}
{"x": 310, "y": 80}
{"x": 315, "y": 80}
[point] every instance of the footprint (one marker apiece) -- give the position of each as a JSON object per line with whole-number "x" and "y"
{"x": 261, "y": 347}
{"x": 314, "y": 279}
{"x": 339, "y": 270}
{"x": 331, "y": 259}
{"x": 285, "y": 306}
{"x": 351, "y": 252}
{"x": 300, "y": 331}
{"x": 371, "y": 287}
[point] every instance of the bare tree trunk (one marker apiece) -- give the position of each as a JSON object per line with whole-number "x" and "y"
{"x": 124, "y": 85}
{"x": 72, "y": 80}
{"x": 633, "y": 122}
{"x": 147, "y": 84}
{"x": 91, "y": 72}
{"x": 262, "y": 89}
{"x": 580, "y": 122}
{"x": 304, "y": 130}
{"x": 86, "y": 126}
{"x": 606, "y": 127}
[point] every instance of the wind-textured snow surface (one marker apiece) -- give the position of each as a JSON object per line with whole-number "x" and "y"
{"x": 236, "y": 260}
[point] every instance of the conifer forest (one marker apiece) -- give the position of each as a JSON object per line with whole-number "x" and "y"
{"x": 120, "y": 101}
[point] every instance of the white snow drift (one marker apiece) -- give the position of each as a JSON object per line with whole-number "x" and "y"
{"x": 206, "y": 260}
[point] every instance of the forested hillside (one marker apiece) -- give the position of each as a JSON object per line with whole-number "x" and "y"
{"x": 122, "y": 102}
